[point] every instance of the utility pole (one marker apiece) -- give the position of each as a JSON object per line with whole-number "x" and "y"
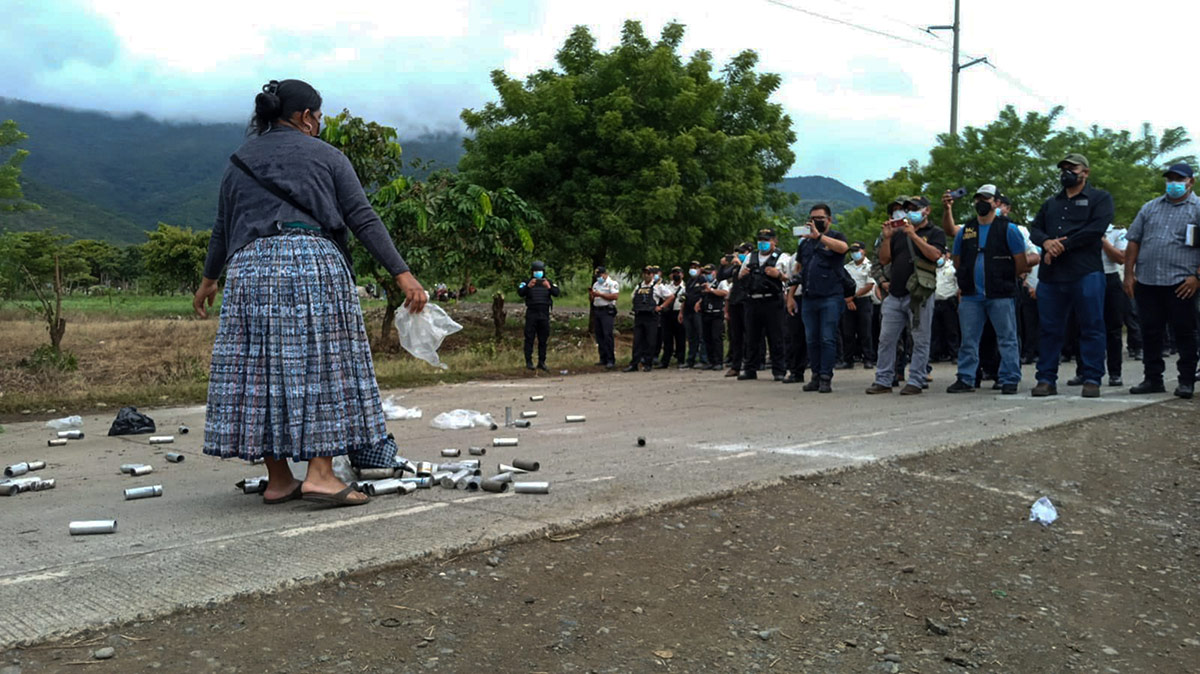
{"x": 955, "y": 68}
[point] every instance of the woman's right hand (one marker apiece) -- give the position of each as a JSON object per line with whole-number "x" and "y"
{"x": 207, "y": 292}
{"x": 415, "y": 296}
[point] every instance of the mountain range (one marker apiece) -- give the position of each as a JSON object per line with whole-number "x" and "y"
{"x": 97, "y": 176}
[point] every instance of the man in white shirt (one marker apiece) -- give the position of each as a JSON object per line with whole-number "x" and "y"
{"x": 603, "y": 294}
{"x": 945, "y": 338}
{"x": 857, "y": 323}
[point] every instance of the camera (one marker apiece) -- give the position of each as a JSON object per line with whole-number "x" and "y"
{"x": 896, "y": 224}
{"x": 959, "y": 193}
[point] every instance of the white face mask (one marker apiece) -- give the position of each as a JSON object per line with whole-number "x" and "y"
{"x": 897, "y": 214}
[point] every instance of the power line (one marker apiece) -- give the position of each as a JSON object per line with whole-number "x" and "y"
{"x": 851, "y": 24}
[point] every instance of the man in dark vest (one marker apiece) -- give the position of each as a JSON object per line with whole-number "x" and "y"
{"x": 645, "y": 322}
{"x": 735, "y": 308}
{"x": 764, "y": 307}
{"x": 538, "y": 292}
{"x": 712, "y": 315}
{"x": 989, "y": 256}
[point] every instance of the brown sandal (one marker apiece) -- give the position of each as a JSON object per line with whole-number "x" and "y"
{"x": 291, "y": 496}
{"x": 342, "y": 498}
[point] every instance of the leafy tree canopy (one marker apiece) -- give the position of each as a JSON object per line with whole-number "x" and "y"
{"x": 11, "y": 198}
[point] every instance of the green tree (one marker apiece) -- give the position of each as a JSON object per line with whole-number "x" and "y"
{"x": 634, "y": 154}
{"x": 11, "y": 197}
{"x": 102, "y": 258}
{"x": 174, "y": 258}
{"x": 27, "y": 259}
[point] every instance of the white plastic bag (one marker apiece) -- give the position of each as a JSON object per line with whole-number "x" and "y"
{"x": 421, "y": 334}
{"x": 456, "y": 420}
{"x": 393, "y": 411}
{"x": 64, "y": 423}
{"x": 1043, "y": 512}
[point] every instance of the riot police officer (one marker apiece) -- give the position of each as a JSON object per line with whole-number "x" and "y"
{"x": 764, "y": 306}
{"x": 712, "y": 315}
{"x": 645, "y": 321}
{"x": 538, "y": 292}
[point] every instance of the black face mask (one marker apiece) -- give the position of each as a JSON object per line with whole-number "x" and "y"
{"x": 821, "y": 224}
{"x": 1069, "y": 179}
{"x": 983, "y": 208}
{"x": 677, "y": 277}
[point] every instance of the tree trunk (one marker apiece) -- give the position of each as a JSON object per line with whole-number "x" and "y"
{"x": 389, "y": 341}
{"x": 57, "y": 325}
{"x": 498, "y": 314}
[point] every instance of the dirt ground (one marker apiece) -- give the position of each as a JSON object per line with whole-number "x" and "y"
{"x": 924, "y": 564}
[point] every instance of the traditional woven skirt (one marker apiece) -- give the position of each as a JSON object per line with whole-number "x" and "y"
{"x": 292, "y": 376}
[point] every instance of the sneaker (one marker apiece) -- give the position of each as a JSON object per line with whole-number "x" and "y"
{"x": 826, "y": 386}
{"x": 1148, "y": 387}
{"x": 1075, "y": 381}
{"x": 731, "y": 372}
{"x": 1185, "y": 391}
{"x": 812, "y": 386}
{"x": 1044, "y": 389}
{"x": 875, "y": 389}
{"x": 791, "y": 379}
{"x": 960, "y": 386}
{"x": 1008, "y": 389}
{"x": 1115, "y": 381}
{"x": 1091, "y": 390}
{"x": 747, "y": 375}
{"x": 910, "y": 390}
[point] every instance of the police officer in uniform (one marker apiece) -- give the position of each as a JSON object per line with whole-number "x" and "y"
{"x": 712, "y": 316}
{"x": 539, "y": 294}
{"x": 764, "y": 307}
{"x": 603, "y": 294}
{"x": 735, "y": 308}
{"x": 645, "y": 322}
{"x": 674, "y": 341}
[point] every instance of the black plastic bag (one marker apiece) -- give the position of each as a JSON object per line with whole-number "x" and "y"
{"x": 131, "y": 422}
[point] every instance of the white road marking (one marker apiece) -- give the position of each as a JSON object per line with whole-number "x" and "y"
{"x": 490, "y": 497}
{"x": 599, "y": 479}
{"x": 736, "y": 456}
{"x": 46, "y": 575}
{"x": 362, "y": 519}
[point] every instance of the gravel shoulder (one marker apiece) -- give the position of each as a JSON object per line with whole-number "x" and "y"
{"x": 917, "y": 564}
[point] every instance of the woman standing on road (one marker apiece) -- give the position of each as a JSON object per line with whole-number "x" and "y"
{"x": 292, "y": 376}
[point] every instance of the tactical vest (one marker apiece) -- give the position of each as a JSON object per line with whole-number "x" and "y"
{"x": 999, "y": 268}
{"x": 537, "y": 296}
{"x": 712, "y": 304}
{"x": 758, "y": 281}
{"x": 643, "y": 298}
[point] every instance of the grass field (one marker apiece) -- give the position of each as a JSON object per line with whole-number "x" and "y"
{"x": 148, "y": 350}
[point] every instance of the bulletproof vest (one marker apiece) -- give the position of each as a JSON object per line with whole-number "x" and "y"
{"x": 759, "y": 282}
{"x": 999, "y": 269}
{"x": 537, "y": 296}
{"x": 712, "y": 304}
{"x": 643, "y": 298}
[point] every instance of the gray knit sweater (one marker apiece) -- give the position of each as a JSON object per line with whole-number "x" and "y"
{"x": 316, "y": 175}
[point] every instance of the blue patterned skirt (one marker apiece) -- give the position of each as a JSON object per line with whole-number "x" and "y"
{"x": 292, "y": 376}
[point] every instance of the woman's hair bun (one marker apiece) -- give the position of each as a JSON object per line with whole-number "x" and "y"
{"x": 267, "y": 106}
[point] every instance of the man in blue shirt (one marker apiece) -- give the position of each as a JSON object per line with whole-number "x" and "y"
{"x": 989, "y": 256}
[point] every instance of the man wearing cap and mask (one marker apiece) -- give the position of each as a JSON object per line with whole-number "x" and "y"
{"x": 603, "y": 295}
{"x": 857, "y": 323}
{"x": 670, "y": 299}
{"x": 820, "y": 256}
{"x": 989, "y": 256}
{"x": 735, "y": 304}
{"x": 764, "y": 307}
{"x": 645, "y": 321}
{"x": 711, "y": 308}
{"x": 1162, "y": 272}
{"x": 539, "y": 294}
{"x": 692, "y": 328}
{"x": 1068, "y": 227}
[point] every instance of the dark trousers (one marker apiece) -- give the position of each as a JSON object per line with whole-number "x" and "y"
{"x": 857, "y": 338}
{"x": 673, "y": 337}
{"x": 692, "y": 328}
{"x": 737, "y": 335}
{"x": 944, "y": 338}
{"x": 1158, "y": 307}
{"x": 764, "y": 317}
{"x": 797, "y": 341}
{"x": 1114, "y": 320}
{"x": 645, "y": 332}
{"x": 821, "y": 317}
{"x": 989, "y": 353}
{"x": 713, "y": 329}
{"x": 1027, "y": 323}
{"x": 604, "y": 334}
{"x": 537, "y": 326}
{"x": 1133, "y": 329}
{"x": 1055, "y": 303}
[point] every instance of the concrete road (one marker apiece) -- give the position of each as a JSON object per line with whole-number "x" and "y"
{"x": 203, "y": 541}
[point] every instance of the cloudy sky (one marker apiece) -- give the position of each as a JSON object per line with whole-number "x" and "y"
{"x": 862, "y": 103}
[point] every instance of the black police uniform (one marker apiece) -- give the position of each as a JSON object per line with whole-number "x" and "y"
{"x": 692, "y": 324}
{"x": 797, "y": 339}
{"x": 645, "y": 326}
{"x": 673, "y": 338}
{"x": 737, "y": 314}
{"x": 712, "y": 320}
{"x": 764, "y": 316}
{"x": 538, "y": 294}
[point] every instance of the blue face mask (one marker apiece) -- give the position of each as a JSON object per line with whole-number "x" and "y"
{"x": 1176, "y": 189}
{"x": 539, "y": 274}
{"x": 916, "y": 217}
{"x": 710, "y": 278}
{"x": 764, "y": 246}
{"x": 998, "y": 213}
{"x": 657, "y": 277}
{"x": 693, "y": 272}
{"x": 856, "y": 255}
{"x": 742, "y": 257}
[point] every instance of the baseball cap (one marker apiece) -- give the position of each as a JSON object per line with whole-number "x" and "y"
{"x": 766, "y": 234}
{"x": 1076, "y": 159}
{"x": 856, "y": 246}
{"x": 694, "y": 263}
{"x": 1180, "y": 169}
{"x": 988, "y": 190}
{"x": 709, "y": 267}
{"x": 675, "y": 269}
{"x": 648, "y": 269}
{"x": 900, "y": 199}
{"x": 918, "y": 201}
{"x": 1004, "y": 200}
{"x": 601, "y": 270}
{"x": 538, "y": 265}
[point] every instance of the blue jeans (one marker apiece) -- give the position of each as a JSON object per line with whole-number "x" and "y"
{"x": 822, "y": 316}
{"x": 1055, "y": 302}
{"x": 972, "y": 314}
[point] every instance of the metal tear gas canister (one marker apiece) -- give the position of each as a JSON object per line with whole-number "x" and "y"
{"x": 183, "y": 430}
{"x": 469, "y": 463}
{"x": 526, "y": 464}
{"x": 175, "y": 457}
{"x": 641, "y": 442}
{"x": 531, "y": 487}
{"x": 451, "y": 481}
{"x": 41, "y": 485}
{"x": 381, "y": 487}
{"x": 576, "y": 418}
{"x": 521, "y": 423}
{"x": 406, "y": 466}
{"x": 506, "y": 476}
{"x": 437, "y": 477}
{"x": 420, "y": 482}
{"x": 528, "y": 414}
{"x": 536, "y": 399}
{"x": 56, "y": 443}
{"x": 491, "y": 485}
{"x": 127, "y": 468}
{"x": 360, "y": 485}
{"x": 143, "y": 492}
{"x": 89, "y": 527}
{"x": 507, "y": 416}
{"x": 16, "y": 469}
{"x": 451, "y": 452}
{"x": 477, "y": 451}
{"x": 162, "y": 439}
{"x": 71, "y": 435}
{"x": 376, "y": 473}
{"x": 472, "y": 483}
{"x": 22, "y": 484}
{"x": 505, "y": 468}
{"x": 504, "y": 442}
{"x": 252, "y": 485}
{"x": 36, "y": 465}
{"x": 407, "y": 488}
{"x": 424, "y": 468}
{"x": 8, "y": 488}
{"x": 142, "y": 469}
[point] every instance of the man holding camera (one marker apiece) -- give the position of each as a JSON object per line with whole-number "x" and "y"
{"x": 912, "y": 247}
{"x": 1069, "y": 227}
{"x": 603, "y": 295}
{"x": 539, "y": 294}
{"x": 764, "y": 307}
{"x": 1162, "y": 272}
